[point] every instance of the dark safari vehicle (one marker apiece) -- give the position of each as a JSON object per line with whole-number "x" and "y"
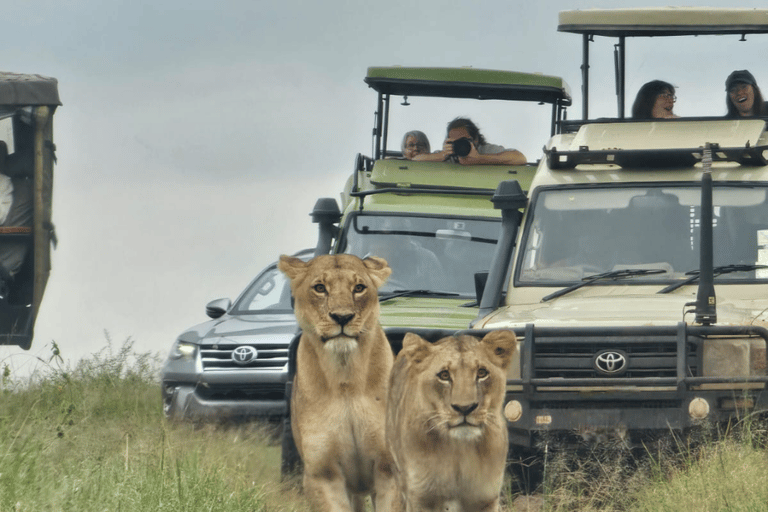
{"x": 27, "y": 154}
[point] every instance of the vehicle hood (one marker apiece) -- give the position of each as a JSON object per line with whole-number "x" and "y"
{"x": 241, "y": 328}
{"x": 428, "y": 312}
{"x": 622, "y": 310}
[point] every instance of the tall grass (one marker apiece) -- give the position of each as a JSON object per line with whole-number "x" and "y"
{"x": 92, "y": 437}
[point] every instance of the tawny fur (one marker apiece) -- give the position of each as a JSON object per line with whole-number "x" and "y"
{"x": 342, "y": 376}
{"x": 445, "y": 427}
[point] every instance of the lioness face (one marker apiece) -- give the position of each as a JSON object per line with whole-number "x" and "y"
{"x": 464, "y": 379}
{"x": 336, "y": 296}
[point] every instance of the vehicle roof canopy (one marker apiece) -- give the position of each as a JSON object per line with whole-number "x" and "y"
{"x": 482, "y": 84}
{"x": 664, "y": 21}
{"x": 17, "y": 90}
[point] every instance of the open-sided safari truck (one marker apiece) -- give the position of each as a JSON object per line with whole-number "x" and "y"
{"x": 638, "y": 272}
{"x": 27, "y": 155}
{"x": 432, "y": 221}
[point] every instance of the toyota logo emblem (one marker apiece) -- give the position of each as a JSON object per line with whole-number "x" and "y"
{"x": 610, "y": 362}
{"x": 244, "y": 355}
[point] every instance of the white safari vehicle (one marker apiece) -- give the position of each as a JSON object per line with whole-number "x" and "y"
{"x": 637, "y": 277}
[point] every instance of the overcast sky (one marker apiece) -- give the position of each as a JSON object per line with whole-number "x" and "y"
{"x": 195, "y": 136}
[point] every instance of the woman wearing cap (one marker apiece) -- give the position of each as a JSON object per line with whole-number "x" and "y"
{"x": 743, "y": 97}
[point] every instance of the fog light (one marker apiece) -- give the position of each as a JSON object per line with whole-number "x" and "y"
{"x": 698, "y": 408}
{"x": 513, "y": 411}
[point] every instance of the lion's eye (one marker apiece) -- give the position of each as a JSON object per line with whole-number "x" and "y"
{"x": 359, "y": 288}
{"x": 319, "y": 288}
{"x": 482, "y": 373}
{"x": 444, "y": 375}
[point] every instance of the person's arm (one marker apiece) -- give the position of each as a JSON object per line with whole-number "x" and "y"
{"x": 506, "y": 157}
{"x": 437, "y": 156}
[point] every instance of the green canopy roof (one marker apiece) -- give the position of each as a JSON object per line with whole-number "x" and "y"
{"x": 483, "y": 84}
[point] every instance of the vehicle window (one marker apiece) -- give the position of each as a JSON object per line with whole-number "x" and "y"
{"x": 575, "y": 233}
{"x": 269, "y": 293}
{"x": 425, "y": 253}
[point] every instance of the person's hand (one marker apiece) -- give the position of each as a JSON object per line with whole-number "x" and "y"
{"x": 472, "y": 158}
{"x": 447, "y": 150}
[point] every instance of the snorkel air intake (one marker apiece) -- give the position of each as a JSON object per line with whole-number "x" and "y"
{"x": 706, "y": 303}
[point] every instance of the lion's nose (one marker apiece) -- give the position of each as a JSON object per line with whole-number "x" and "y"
{"x": 342, "y": 318}
{"x": 464, "y": 409}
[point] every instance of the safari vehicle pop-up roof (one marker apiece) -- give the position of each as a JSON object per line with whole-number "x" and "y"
{"x": 27, "y": 106}
{"x": 389, "y": 201}
{"x": 652, "y": 22}
{"x": 384, "y": 172}
{"x": 480, "y": 84}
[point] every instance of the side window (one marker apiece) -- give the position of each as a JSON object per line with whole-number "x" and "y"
{"x": 269, "y": 292}
{"x": 6, "y": 133}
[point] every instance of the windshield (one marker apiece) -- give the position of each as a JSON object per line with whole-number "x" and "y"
{"x": 575, "y": 233}
{"x": 425, "y": 253}
{"x": 269, "y": 293}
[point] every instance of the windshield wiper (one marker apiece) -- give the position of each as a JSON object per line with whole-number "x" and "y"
{"x": 614, "y": 274}
{"x": 725, "y": 269}
{"x": 416, "y": 293}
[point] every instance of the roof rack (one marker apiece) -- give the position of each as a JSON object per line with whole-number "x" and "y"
{"x": 654, "y": 158}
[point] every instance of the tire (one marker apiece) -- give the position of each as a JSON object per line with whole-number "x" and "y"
{"x": 290, "y": 460}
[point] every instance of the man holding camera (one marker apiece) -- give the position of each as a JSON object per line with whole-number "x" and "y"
{"x": 464, "y": 144}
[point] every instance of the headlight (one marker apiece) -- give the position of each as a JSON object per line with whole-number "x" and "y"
{"x": 183, "y": 349}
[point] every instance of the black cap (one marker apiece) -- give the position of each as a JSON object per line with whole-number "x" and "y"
{"x": 740, "y": 77}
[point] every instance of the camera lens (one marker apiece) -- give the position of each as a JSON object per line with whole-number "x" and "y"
{"x": 462, "y": 147}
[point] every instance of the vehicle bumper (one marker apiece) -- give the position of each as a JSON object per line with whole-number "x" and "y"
{"x": 225, "y": 396}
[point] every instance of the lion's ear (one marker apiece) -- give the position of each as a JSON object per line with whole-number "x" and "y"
{"x": 500, "y": 346}
{"x": 378, "y": 269}
{"x": 415, "y": 347}
{"x": 292, "y": 267}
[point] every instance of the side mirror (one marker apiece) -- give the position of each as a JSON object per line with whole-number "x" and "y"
{"x": 480, "y": 279}
{"x": 217, "y": 308}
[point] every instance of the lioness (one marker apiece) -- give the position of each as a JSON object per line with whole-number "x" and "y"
{"x": 342, "y": 377}
{"x": 444, "y": 421}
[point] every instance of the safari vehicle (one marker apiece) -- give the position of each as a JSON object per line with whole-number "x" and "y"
{"x": 27, "y": 154}
{"x": 638, "y": 272}
{"x": 432, "y": 221}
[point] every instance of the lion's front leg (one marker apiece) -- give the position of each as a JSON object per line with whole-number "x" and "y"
{"x": 327, "y": 492}
{"x": 386, "y": 496}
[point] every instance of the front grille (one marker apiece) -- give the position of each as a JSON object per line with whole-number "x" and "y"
{"x": 598, "y": 404}
{"x": 239, "y": 392}
{"x": 219, "y": 357}
{"x": 573, "y": 358}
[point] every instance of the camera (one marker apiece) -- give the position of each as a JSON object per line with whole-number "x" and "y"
{"x": 462, "y": 146}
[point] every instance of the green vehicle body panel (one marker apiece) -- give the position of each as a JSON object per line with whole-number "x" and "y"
{"x": 405, "y": 173}
{"x": 442, "y": 313}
